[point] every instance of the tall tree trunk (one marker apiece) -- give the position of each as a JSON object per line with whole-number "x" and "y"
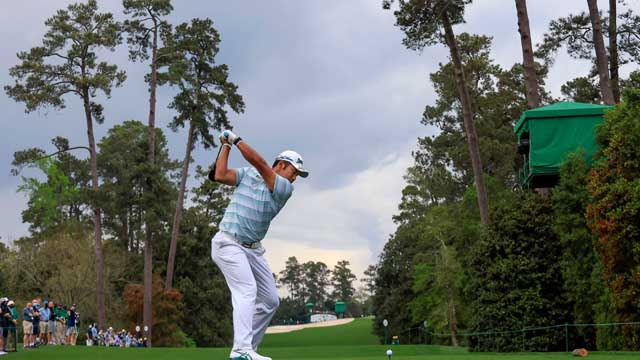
{"x": 613, "y": 50}
{"x": 97, "y": 226}
{"x": 530, "y": 77}
{"x": 126, "y": 239}
{"x": 470, "y": 128}
{"x": 178, "y": 214}
{"x": 452, "y": 317}
{"x": 601, "y": 53}
{"x": 147, "y": 312}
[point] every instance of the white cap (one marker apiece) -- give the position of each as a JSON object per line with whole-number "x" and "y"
{"x": 3, "y": 299}
{"x": 294, "y": 159}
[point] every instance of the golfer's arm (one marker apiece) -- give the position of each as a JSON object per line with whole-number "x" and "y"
{"x": 259, "y": 163}
{"x": 223, "y": 174}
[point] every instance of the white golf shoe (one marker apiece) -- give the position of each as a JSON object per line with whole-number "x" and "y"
{"x": 246, "y": 355}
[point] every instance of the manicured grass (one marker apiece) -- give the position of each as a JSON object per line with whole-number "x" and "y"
{"x": 370, "y": 352}
{"x": 357, "y": 332}
{"x": 352, "y": 341}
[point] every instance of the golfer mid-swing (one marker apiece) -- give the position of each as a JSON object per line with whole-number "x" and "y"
{"x": 261, "y": 191}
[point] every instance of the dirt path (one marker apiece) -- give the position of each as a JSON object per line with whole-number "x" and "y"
{"x": 279, "y": 329}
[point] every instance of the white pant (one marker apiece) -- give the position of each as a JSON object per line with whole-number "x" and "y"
{"x": 253, "y": 290}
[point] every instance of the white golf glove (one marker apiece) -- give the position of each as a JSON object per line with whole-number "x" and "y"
{"x": 229, "y": 137}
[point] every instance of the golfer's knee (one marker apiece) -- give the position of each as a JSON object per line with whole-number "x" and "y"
{"x": 272, "y": 302}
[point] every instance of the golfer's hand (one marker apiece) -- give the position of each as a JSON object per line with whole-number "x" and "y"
{"x": 229, "y": 136}
{"x": 223, "y": 139}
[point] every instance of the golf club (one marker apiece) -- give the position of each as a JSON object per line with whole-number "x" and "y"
{"x": 212, "y": 173}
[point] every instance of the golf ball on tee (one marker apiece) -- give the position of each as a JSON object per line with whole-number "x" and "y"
{"x": 389, "y": 352}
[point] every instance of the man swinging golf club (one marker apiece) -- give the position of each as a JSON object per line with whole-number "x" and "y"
{"x": 261, "y": 192}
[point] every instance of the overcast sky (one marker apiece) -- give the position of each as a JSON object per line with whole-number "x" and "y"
{"x": 329, "y": 79}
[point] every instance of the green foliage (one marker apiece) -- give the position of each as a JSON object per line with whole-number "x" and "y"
{"x": 65, "y": 194}
{"x": 424, "y": 266}
{"x": 290, "y": 312}
{"x": 498, "y": 98}
{"x": 421, "y": 21}
{"x": 58, "y": 265}
{"x": 575, "y": 32}
{"x": 292, "y": 277}
{"x": 204, "y": 91}
{"x": 124, "y": 169}
{"x": 583, "y": 284}
{"x": 394, "y": 287}
{"x": 24, "y": 158}
{"x": 316, "y": 279}
{"x": 516, "y": 278}
{"x": 614, "y": 185}
{"x": 438, "y": 276}
{"x": 145, "y": 23}
{"x": 369, "y": 279}
{"x": 308, "y": 283}
{"x": 342, "y": 281}
{"x": 582, "y": 89}
{"x": 46, "y": 198}
{"x": 66, "y": 63}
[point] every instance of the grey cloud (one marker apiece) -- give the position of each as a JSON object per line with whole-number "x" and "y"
{"x": 329, "y": 79}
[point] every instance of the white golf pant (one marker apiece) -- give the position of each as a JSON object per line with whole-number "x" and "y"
{"x": 253, "y": 290}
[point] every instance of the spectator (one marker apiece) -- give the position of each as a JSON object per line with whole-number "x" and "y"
{"x": 5, "y": 320}
{"x": 61, "y": 318}
{"x": 45, "y": 315}
{"x": 108, "y": 337}
{"x": 76, "y": 329}
{"x": 94, "y": 333}
{"x": 36, "y": 322}
{"x": 90, "y": 335}
{"x": 117, "y": 341}
{"x": 27, "y": 325}
{"x": 71, "y": 333}
{"x": 101, "y": 341}
{"x": 52, "y": 324}
{"x": 13, "y": 332}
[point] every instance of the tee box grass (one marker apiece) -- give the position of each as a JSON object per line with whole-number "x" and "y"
{"x": 344, "y": 342}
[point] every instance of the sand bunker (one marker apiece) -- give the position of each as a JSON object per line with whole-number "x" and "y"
{"x": 289, "y": 328}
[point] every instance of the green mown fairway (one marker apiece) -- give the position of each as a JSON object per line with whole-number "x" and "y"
{"x": 357, "y": 332}
{"x": 351, "y": 341}
{"x": 371, "y": 352}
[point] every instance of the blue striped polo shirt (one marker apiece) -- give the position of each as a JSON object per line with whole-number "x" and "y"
{"x": 253, "y": 206}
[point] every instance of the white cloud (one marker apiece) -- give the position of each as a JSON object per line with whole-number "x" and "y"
{"x": 350, "y": 222}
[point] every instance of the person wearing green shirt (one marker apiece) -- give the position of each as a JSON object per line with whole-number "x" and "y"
{"x": 14, "y": 311}
{"x": 14, "y": 320}
{"x": 61, "y": 317}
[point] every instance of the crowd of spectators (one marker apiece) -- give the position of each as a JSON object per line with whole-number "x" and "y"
{"x": 51, "y": 324}
{"x": 113, "y": 338}
{"x": 45, "y": 323}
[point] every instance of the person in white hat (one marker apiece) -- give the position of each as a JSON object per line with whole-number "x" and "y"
{"x": 261, "y": 192}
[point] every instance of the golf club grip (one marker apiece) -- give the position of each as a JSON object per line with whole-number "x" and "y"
{"x": 212, "y": 173}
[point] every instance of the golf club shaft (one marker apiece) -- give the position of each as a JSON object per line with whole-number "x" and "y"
{"x": 212, "y": 173}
